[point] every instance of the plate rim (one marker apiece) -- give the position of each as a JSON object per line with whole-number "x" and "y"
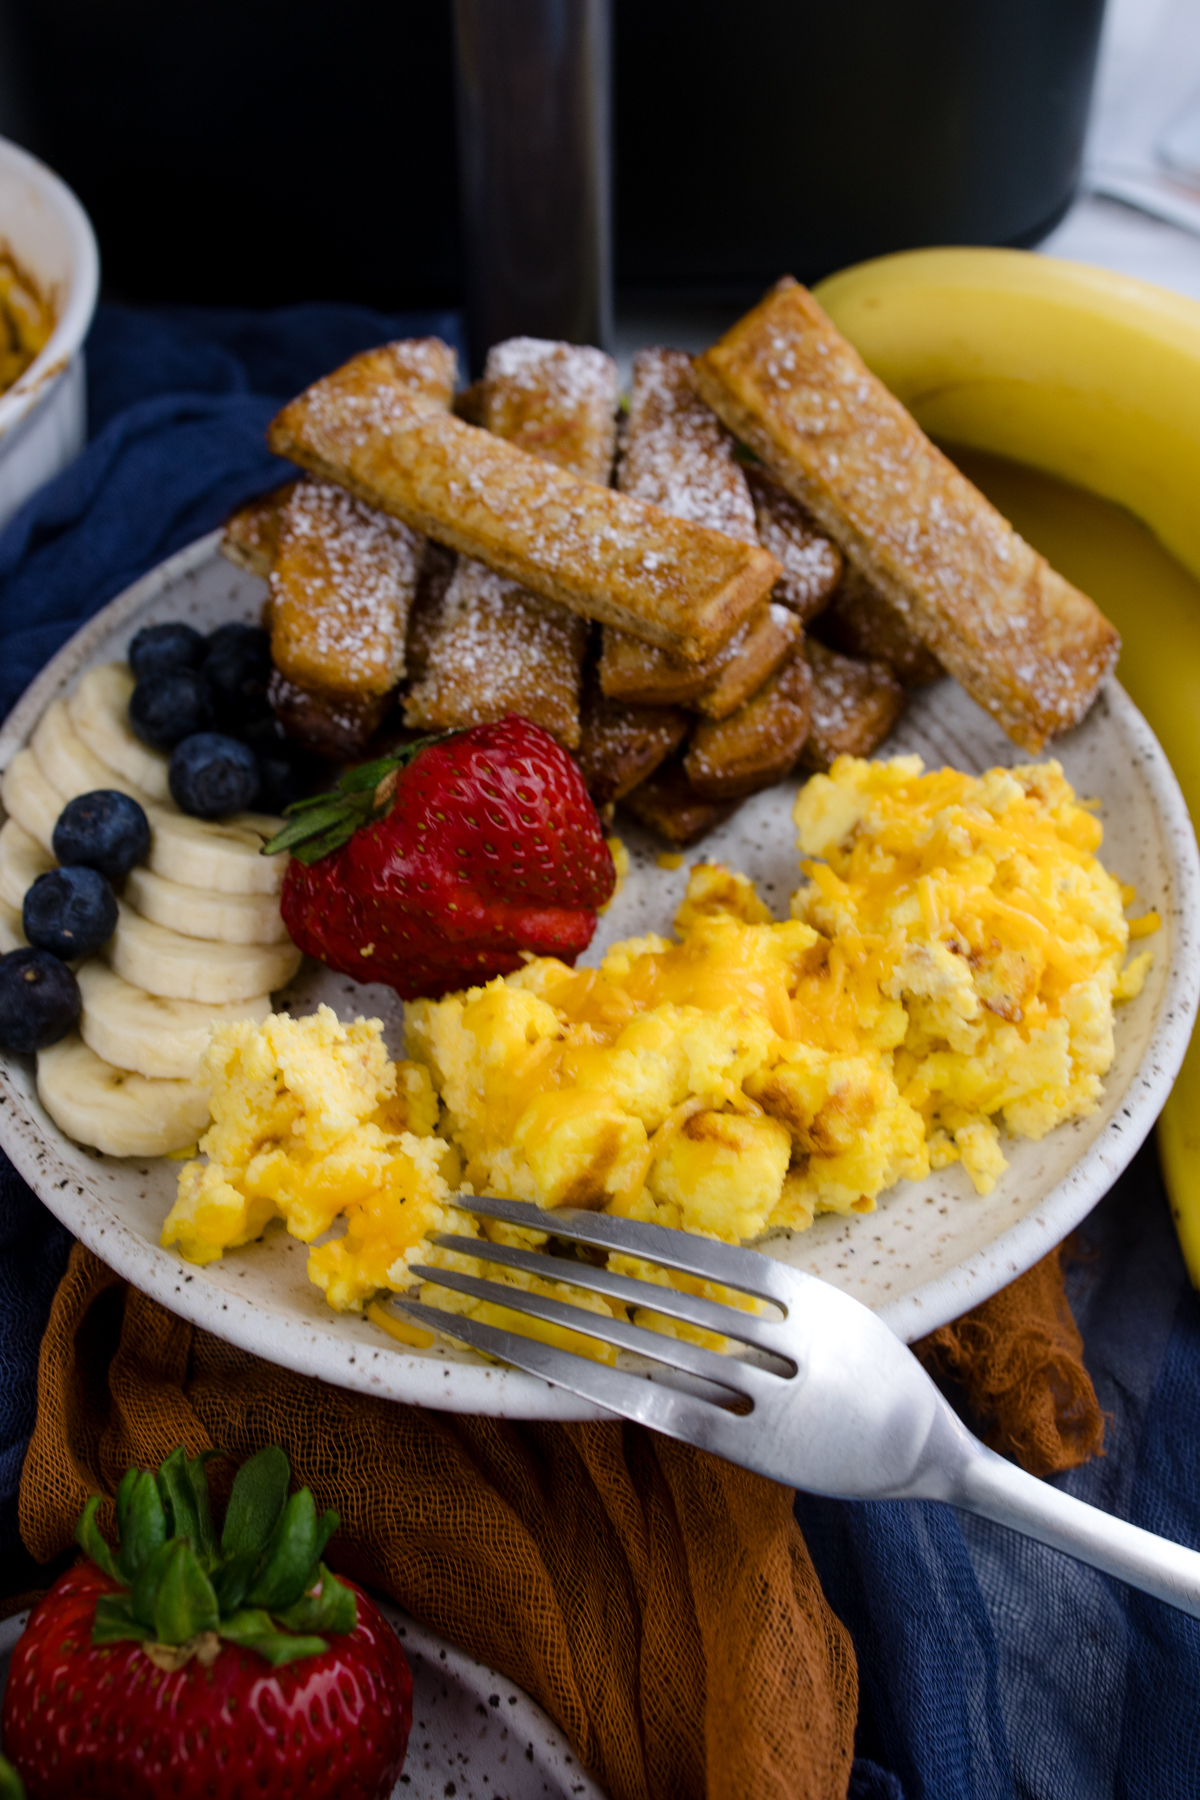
{"x": 483, "y": 1387}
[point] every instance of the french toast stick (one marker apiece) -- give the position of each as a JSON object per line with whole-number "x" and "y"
{"x": 853, "y": 706}
{"x": 495, "y": 648}
{"x": 1028, "y": 646}
{"x": 342, "y": 583}
{"x": 620, "y": 746}
{"x": 370, "y": 427}
{"x": 861, "y": 623}
{"x": 557, "y": 401}
{"x": 637, "y": 673}
{"x": 812, "y": 562}
{"x": 769, "y": 643}
{"x": 760, "y": 743}
{"x": 337, "y": 726}
{"x": 677, "y": 455}
{"x": 668, "y": 804}
{"x": 251, "y": 538}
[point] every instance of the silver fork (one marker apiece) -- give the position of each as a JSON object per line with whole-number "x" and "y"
{"x": 824, "y": 1398}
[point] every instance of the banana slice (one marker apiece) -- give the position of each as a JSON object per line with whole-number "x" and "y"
{"x": 22, "y": 860}
{"x": 116, "y": 1111}
{"x": 200, "y": 912}
{"x": 219, "y": 854}
{"x": 12, "y": 932}
{"x": 70, "y": 765}
{"x": 184, "y": 968}
{"x": 99, "y": 711}
{"x": 160, "y": 1038}
{"x": 31, "y": 798}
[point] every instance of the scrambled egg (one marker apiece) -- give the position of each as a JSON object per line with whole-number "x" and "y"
{"x": 312, "y": 1122}
{"x": 949, "y": 970}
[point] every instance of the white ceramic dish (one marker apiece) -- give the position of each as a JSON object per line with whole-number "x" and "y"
{"x": 930, "y": 1251}
{"x": 474, "y": 1734}
{"x": 43, "y": 416}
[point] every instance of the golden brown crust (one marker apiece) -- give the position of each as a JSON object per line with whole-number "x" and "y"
{"x": 677, "y": 455}
{"x": 494, "y": 648}
{"x": 854, "y": 706}
{"x": 675, "y": 452}
{"x": 251, "y": 537}
{"x": 769, "y": 642}
{"x": 1023, "y": 642}
{"x": 497, "y": 649}
{"x": 860, "y": 622}
{"x": 340, "y": 728}
{"x": 621, "y": 746}
{"x": 758, "y": 744}
{"x": 812, "y": 562}
{"x": 668, "y": 804}
{"x": 643, "y": 676}
{"x": 557, "y": 401}
{"x": 372, "y": 428}
{"x": 341, "y": 586}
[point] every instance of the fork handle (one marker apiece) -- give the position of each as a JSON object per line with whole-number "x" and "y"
{"x": 996, "y": 1490}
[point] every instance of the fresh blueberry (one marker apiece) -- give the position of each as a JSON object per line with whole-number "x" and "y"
{"x": 238, "y": 670}
{"x": 104, "y": 830}
{"x": 211, "y": 775}
{"x": 69, "y": 912}
{"x": 165, "y": 709}
{"x": 39, "y": 1000}
{"x": 158, "y": 649}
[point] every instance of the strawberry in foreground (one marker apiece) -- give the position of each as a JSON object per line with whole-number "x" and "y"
{"x": 434, "y": 868}
{"x": 188, "y": 1665}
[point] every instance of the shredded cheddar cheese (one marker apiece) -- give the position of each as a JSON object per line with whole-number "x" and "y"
{"x": 948, "y": 976}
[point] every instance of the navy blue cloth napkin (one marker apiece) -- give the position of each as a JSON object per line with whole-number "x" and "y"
{"x": 990, "y": 1668}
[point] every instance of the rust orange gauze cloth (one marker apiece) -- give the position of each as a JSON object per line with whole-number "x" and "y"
{"x": 659, "y": 1603}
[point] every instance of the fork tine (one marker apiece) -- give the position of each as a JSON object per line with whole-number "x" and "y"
{"x": 726, "y": 1264}
{"x": 708, "y": 1315}
{"x": 726, "y": 1371}
{"x": 634, "y": 1397}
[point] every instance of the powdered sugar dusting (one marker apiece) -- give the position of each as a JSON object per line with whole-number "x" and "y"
{"x": 677, "y": 454}
{"x": 853, "y": 707}
{"x": 499, "y": 649}
{"x": 812, "y": 564}
{"x": 558, "y": 401}
{"x": 341, "y": 588}
{"x": 572, "y": 541}
{"x": 381, "y": 390}
{"x": 1023, "y": 642}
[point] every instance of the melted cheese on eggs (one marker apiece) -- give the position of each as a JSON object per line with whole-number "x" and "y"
{"x": 948, "y": 973}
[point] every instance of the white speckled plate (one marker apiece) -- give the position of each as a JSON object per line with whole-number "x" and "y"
{"x": 474, "y": 1734}
{"x": 930, "y": 1251}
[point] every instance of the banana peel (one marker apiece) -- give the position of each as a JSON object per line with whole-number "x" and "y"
{"x": 1092, "y": 379}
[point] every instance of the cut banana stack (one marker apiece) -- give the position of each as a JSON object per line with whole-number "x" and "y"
{"x": 199, "y": 938}
{"x": 117, "y": 1110}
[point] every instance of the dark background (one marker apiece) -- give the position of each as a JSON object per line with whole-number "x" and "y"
{"x": 263, "y": 151}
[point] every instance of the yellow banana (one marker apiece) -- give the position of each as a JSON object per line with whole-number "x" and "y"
{"x": 1093, "y": 378}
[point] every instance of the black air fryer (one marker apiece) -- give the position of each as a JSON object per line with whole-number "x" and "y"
{"x": 265, "y": 151}
{"x": 804, "y": 135}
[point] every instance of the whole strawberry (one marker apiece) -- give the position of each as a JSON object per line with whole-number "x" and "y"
{"x": 187, "y": 1666}
{"x": 434, "y": 868}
